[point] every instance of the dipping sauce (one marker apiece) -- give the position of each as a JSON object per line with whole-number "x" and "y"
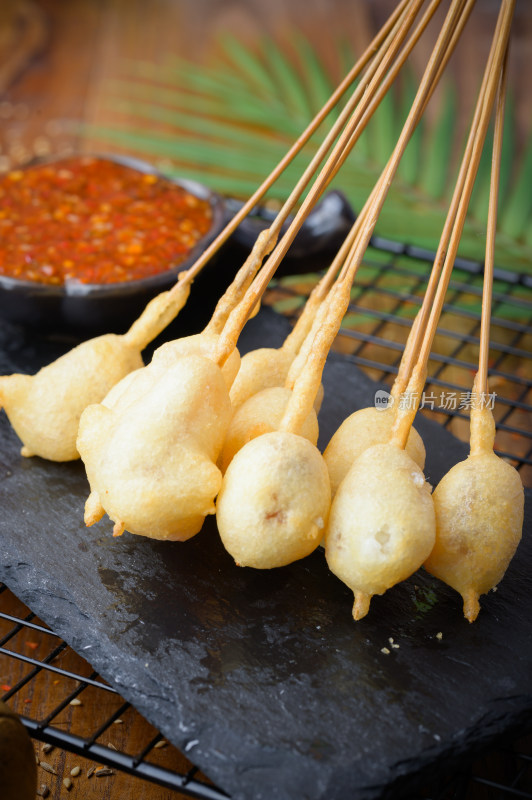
{"x": 92, "y": 220}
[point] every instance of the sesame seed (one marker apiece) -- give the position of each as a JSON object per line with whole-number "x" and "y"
{"x": 47, "y": 767}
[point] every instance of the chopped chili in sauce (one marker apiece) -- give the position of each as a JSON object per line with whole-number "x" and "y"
{"x": 92, "y": 220}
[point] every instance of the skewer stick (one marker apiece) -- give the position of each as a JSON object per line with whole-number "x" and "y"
{"x": 307, "y": 321}
{"x": 485, "y": 102}
{"x": 499, "y": 49}
{"x": 354, "y": 109}
{"x": 241, "y": 313}
{"x": 350, "y": 262}
{"x": 352, "y": 75}
{"x": 165, "y": 307}
{"x": 392, "y": 74}
{"x": 411, "y": 356}
{"x": 327, "y": 280}
{"x": 295, "y": 339}
{"x": 329, "y": 319}
{"x": 373, "y": 206}
{"x": 403, "y": 375}
{"x": 349, "y": 241}
{"x": 481, "y": 422}
{"x": 268, "y": 238}
{"x": 384, "y": 54}
{"x": 487, "y": 289}
{"x": 302, "y": 327}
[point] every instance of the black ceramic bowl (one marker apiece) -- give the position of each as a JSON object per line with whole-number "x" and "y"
{"x": 98, "y": 308}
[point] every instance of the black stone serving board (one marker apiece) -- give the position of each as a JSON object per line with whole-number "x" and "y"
{"x": 263, "y": 678}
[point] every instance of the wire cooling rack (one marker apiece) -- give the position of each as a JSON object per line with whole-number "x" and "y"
{"x": 388, "y": 292}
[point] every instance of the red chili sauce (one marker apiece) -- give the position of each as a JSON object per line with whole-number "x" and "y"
{"x": 92, "y": 220}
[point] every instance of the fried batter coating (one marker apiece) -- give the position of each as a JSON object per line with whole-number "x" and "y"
{"x": 44, "y": 409}
{"x": 361, "y": 430}
{"x": 151, "y": 463}
{"x": 262, "y": 413}
{"x": 260, "y": 369}
{"x": 479, "y": 507}
{"x": 382, "y": 524}
{"x": 138, "y": 382}
{"x": 274, "y": 501}
{"x": 201, "y": 344}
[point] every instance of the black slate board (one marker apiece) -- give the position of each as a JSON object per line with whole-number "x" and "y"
{"x": 262, "y": 678}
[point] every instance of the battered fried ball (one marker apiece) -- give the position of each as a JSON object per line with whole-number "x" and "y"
{"x": 479, "y": 507}
{"x": 151, "y": 464}
{"x": 262, "y": 413}
{"x": 274, "y": 501}
{"x": 200, "y": 344}
{"x": 382, "y": 524}
{"x": 137, "y": 383}
{"x": 361, "y": 430}
{"x": 260, "y": 369}
{"x": 44, "y": 409}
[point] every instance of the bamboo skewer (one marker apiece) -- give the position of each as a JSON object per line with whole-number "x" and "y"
{"x": 487, "y": 291}
{"x": 353, "y": 248}
{"x": 349, "y": 243}
{"x": 329, "y": 316}
{"x": 165, "y": 307}
{"x": 411, "y": 356}
{"x": 327, "y": 280}
{"x": 470, "y": 165}
{"x": 241, "y": 313}
{"x": 356, "y": 109}
{"x": 300, "y": 142}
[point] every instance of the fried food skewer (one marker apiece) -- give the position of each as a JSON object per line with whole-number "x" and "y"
{"x": 267, "y": 367}
{"x": 369, "y": 426}
{"x": 479, "y": 503}
{"x": 393, "y": 532}
{"x": 279, "y": 515}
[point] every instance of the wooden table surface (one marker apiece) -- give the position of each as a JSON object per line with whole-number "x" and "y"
{"x": 55, "y": 58}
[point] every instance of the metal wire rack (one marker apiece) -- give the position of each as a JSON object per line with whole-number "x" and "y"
{"x": 59, "y": 681}
{"x": 387, "y": 294}
{"x": 389, "y": 289}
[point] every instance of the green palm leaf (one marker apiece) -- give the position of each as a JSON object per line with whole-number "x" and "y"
{"x": 228, "y": 123}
